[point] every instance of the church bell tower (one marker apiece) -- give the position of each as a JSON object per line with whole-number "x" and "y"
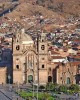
{"x": 43, "y": 58}
{"x": 17, "y": 53}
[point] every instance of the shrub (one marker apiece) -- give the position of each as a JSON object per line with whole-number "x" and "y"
{"x": 51, "y": 86}
{"x": 41, "y": 87}
{"x": 63, "y": 88}
{"x": 74, "y": 87}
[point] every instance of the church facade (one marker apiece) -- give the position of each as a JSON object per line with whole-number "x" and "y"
{"x": 32, "y": 62}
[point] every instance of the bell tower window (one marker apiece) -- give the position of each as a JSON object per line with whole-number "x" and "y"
{"x": 42, "y": 40}
{"x": 42, "y": 66}
{"x": 17, "y": 47}
{"x": 17, "y": 66}
{"x": 42, "y": 47}
{"x": 42, "y": 58}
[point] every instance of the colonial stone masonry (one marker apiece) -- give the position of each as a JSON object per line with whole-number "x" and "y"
{"x": 32, "y": 62}
{"x": 28, "y": 64}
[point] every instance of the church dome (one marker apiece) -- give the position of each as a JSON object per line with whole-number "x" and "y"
{"x": 26, "y": 39}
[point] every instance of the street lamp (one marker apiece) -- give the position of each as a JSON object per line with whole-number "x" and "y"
{"x": 37, "y": 89}
{"x": 33, "y": 90}
{"x": 9, "y": 77}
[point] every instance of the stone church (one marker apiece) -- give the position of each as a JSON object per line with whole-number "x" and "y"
{"x": 30, "y": 64}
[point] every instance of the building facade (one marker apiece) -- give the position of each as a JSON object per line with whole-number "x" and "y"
{"x": 29, "y": 64}
{"x": 32, "y": 62}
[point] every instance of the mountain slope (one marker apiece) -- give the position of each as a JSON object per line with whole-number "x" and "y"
{"x": 29, "y": 15}
{"x": 64, "y": 7}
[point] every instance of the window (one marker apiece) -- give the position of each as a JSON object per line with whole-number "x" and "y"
{"x": 42, "y": 40}
{"x": 17, "y": 47}
{"x": 17, "y": 59}
{"x": 49, "y": 79}
{"x": 17, "y": 40}
{"x": 42, "y": 58}
{"x": 61, "y": 78}
{"x": 42, "y": 47}
{"x": 30, "y": 64}
{"x": 42, "y": 66}
{"x": 17, "y": 66}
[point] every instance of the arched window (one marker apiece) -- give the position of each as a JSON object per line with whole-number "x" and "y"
{"x": 42, "y": 40}
{"x": 17, "y": 66}
{"x": 30, "y": 78}
{"x": 68, "y": 80}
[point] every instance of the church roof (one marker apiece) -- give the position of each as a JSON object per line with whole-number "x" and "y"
{"x": 25, "y": 38}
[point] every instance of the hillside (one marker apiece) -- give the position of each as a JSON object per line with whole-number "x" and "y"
{"x": 66, "y": 8}
{"x": 29, "y": 15}
{"x": 44, "y": 14}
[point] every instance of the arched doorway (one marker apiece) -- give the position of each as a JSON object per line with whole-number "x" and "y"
{"x": 49, "y": 79}
{"x": 68, "y": 80}
{"x": 30, "y": 78}
{"x": 77, "y": 78}
{"x": 54, "y": 73}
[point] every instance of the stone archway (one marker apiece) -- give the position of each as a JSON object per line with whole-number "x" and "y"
{"x": 77, "y": 78}
{"x": 49, "y": 78}
{"x": 30, "y": 78}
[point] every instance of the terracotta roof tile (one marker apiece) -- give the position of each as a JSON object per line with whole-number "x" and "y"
{"x": 57, "y": 57}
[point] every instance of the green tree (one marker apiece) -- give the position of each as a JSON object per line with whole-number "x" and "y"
{"x": 51, "y": 86}
{"x": 74, "y": 87}
{"x": 63, "y": 88}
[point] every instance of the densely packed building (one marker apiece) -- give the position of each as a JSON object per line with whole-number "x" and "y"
{"x": 27, "y": 60}
{"x": 35, "y": 56}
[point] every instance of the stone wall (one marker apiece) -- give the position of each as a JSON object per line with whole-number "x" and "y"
{"x": 3, "y": 74}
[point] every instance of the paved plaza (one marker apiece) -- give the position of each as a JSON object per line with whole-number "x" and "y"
{"x": 8, "y": 93}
